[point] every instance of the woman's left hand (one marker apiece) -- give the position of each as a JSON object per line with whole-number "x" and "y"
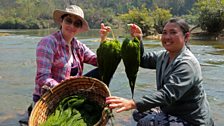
{"x": 135, "y": 31}
{"x": 122, "y": 104}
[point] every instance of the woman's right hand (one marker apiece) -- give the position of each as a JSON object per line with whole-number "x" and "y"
{"x": 122, "y": 104}
{"x": 45, "y": 89}
{"x": 104, "y": 30}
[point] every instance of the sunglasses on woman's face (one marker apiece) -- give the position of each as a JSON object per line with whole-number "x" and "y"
{"x": 76, "y": 23}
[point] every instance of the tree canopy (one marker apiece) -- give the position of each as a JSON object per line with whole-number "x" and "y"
{"x": 211, "y": 15}
{"x": 148, "y": 14}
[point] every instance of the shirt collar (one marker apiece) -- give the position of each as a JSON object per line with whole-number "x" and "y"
{"x": 64, "y": 43}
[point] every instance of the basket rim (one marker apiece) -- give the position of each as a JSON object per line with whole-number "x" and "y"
{"x": 44, "y": 98}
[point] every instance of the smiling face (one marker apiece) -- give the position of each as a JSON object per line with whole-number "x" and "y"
{"x": 70, "y": 26}
{"x": 173, "y": 38}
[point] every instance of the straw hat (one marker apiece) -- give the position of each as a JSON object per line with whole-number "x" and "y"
{"x": 71, "y": 10}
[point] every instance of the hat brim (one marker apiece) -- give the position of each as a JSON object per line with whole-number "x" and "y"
{"x": 57, "y": 18}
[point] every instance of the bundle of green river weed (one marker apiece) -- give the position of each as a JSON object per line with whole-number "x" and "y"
{"x": 130, "y": 52}
{"x": 108, "y": 58}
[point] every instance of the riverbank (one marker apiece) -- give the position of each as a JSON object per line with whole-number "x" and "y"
{"x": 194, "y": 36}
{"x": 4, "y": 34}
{"x": 153, "y": 37}
{"x": 206, "y": 36}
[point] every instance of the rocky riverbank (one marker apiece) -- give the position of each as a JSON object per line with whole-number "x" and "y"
{"x": 4, "y": 34}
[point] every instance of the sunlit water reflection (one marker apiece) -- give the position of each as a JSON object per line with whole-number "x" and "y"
{"x": 18, "y": 67}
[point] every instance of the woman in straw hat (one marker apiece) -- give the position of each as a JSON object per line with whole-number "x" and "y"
{"x": 60, "y": 55}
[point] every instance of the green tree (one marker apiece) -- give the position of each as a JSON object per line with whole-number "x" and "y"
{"x": 96, "y": 16}
{"x": 211, "y": 15}
{"x": 25, "y": 8}
{"x": 176, "y": 7}
{"x": 141, "y": 18}
{"x": 160, "y": 16}
{"x": 96, "y": 11}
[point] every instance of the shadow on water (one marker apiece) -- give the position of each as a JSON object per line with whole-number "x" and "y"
{"x": 219, "y": 44}
{"x": 218, "y": 52}
{"x": 215, "y": 62}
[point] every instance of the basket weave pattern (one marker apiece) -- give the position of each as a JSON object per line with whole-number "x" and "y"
{"x": 91, "y": 88}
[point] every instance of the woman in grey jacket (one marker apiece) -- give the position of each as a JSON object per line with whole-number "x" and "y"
{"x": 180, "y": 98}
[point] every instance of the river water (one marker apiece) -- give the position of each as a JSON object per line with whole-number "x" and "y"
{"x": 17, "y": 72}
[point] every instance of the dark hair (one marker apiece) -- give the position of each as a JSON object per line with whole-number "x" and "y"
{"x": 183, "y": 25}
{"x": 181, "y": 22}
{"x": 63, "y": 16}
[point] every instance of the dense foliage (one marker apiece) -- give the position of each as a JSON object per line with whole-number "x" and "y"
{"x": 160, "y": 16}
{"x": 149, "y": 14}
{"x": 211, "y": 15}
{"x": 139, "y": 16}
{"x": 17, "y": 13}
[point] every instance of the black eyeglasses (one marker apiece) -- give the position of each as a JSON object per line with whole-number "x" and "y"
{"x": 76, "y": 23}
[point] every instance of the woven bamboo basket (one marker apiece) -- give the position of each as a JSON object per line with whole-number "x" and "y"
{"x": 91, "y": 88}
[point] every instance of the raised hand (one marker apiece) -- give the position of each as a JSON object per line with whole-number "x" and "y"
{"x": 135, "y": 31}
{"x": 104, "y": 30}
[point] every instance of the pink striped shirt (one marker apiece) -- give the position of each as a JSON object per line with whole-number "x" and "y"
{"x": 52, "y": 58}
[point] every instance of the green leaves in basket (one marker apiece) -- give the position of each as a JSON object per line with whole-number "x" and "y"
{"x": 75, "y": 111}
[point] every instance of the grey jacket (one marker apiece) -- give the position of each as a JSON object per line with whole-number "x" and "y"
{"x": 179, "y": 87}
